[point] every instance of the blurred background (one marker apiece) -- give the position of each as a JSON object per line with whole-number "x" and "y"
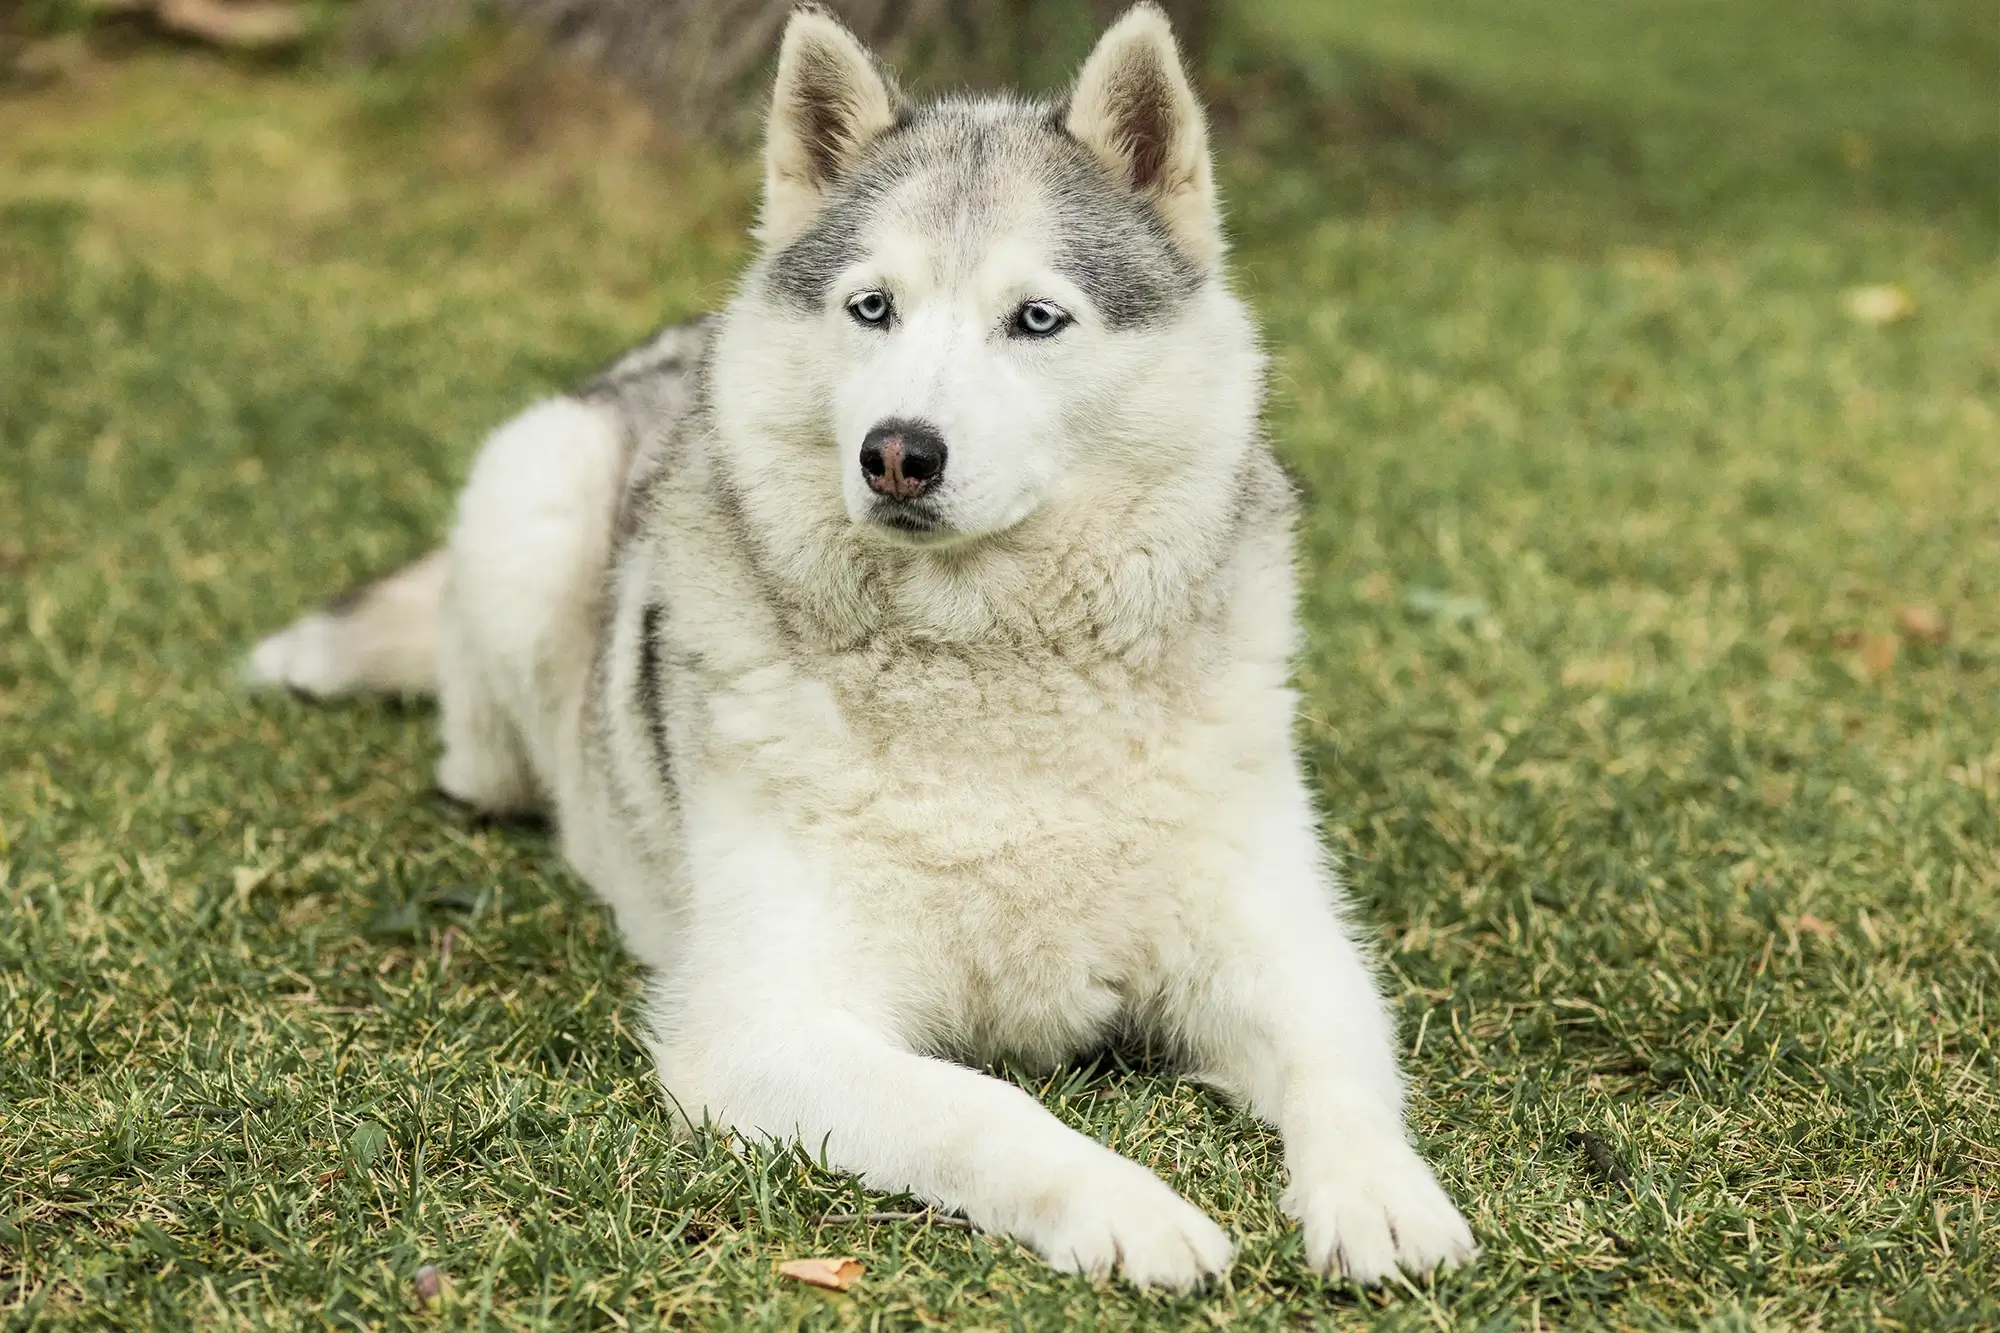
{"x": 1639, "y": 361}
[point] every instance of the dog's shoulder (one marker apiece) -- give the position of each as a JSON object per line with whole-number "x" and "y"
{"x": 654, "y": 391}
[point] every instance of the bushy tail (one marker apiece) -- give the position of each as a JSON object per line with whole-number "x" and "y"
{"x": 382, "y": 638}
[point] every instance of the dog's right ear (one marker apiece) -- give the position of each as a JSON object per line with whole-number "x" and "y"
{"x": 831, "y": 101}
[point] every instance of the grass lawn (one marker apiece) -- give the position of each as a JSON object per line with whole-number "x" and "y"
{"x": 1653, "y": 684}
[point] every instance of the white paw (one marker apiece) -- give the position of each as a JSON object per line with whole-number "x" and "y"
{"x": 1115, "y": 1214}
{"x": 1376, "y": 1210}
{"x": 301, "y": 658}
{"x": 492, "y": 786}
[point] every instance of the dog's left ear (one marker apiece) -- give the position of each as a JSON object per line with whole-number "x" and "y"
{"x": 1134, "y": 108}
{"x": 831, "y": 101}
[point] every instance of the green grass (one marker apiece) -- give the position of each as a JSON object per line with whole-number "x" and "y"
{"x": 1670, "y": 834}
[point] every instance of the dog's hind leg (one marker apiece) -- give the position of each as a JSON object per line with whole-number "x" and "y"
{"x": 521, "y": 613}
{"x": 501, "y": 624}
{"x": 379, "y": 639}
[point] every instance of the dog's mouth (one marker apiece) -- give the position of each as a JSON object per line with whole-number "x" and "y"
{"x": 912, "y": 522}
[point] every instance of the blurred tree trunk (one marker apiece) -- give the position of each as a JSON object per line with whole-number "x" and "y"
{"x": 700, "y": 62}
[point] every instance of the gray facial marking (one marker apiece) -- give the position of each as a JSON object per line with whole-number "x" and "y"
{"x": 960, "y": 166}
{"x": 801, "y": 275}
{"x": 1114, "y": 245}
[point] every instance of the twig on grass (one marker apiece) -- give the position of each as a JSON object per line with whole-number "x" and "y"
{"x": 1601, "y": 1157}
{"x": 212, "y": 1112}
{"x": 921, "y": 1215}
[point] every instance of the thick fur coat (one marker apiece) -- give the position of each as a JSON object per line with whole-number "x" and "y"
{"x": 904, "y": 655}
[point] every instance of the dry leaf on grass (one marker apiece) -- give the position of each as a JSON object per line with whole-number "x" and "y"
{"x": 429, "y": 1283}
{"x": 1884, "y": 303}
{"x": 1775, "y": 790}
{"x": 1878, "y": 653}
{"x": 1377, "y": 587}
{"x": 1614, "y": 672}
{"x": 1921, "y": 624}
{"x": 833, "y": 1274}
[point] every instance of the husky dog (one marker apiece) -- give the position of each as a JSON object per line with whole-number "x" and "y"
{"x": 903, "y": 653}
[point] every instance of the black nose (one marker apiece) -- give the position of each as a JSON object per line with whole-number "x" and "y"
{"x": 902, "y": 458}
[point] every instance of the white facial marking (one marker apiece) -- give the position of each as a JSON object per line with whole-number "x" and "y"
{"x": 956, "y": 352}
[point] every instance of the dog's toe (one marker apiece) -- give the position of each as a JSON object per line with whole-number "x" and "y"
{"x": 1383, "y": 1212}
{"x": 1121, "y": 1217}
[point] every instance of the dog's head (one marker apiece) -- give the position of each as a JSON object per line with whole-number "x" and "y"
{"x": 970, "y": 310}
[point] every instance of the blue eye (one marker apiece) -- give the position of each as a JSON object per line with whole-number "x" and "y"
{"x": 870, "y": 308}
{"x": 1040, "y": 319}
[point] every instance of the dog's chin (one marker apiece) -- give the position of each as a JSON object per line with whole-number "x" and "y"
{"x": 908, "y": 525}
{"x": 922, "y": 526}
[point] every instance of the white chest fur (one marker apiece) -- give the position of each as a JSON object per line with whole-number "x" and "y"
{"x": 1005, "y": 844}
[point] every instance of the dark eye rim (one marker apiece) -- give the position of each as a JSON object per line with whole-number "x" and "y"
{"x": 1018, "y": 326}
{"x": 880, "y": 321}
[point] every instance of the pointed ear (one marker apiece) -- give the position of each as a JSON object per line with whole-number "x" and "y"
{"x": 830, "y": 102}
{"x": 1134, "y": 108}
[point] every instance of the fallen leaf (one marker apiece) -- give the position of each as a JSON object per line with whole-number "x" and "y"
{"x": 1921, "y": 624}
{"x": 1377, "y": 587}
{"x": 1614, "y": 672}
{"x": 1808, "y": 922}
{"x": 1775, "y": 790}
{"x": 368, "y": 1142}
{"x": 1878, "y": 654}
{"x": 833, "y": 1274}
{"x": 1883, "y": 303}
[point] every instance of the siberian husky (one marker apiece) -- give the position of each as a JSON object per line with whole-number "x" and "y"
{"x": 903, "y": 654}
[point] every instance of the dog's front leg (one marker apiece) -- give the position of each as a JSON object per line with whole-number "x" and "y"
{"x": 909, "y": 1123}
{"x": 1280, "y": 1008}
{"x": 778, "y": 1029}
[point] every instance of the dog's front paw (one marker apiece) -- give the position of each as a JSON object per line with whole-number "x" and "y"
{"x": 1115, "y": 1214}
{"x": 1376, "y": 1210}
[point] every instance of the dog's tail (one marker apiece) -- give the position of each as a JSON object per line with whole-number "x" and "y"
{"x": 382, "y": 638}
